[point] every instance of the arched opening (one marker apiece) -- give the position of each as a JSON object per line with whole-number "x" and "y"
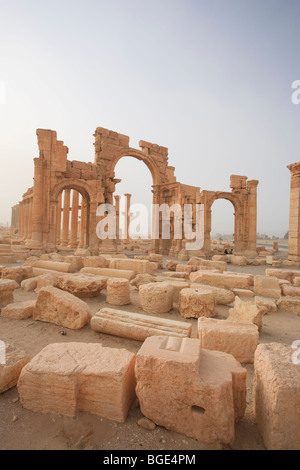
{"x": 72, "y": 219}
{"x": 133, "y": 199}
{"x": 222, "y": 225}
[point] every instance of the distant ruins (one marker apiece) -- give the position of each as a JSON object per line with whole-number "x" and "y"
{"x": 45, "y": 220}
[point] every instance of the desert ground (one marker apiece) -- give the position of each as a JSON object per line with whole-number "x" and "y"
{"x": 22, "y": 429}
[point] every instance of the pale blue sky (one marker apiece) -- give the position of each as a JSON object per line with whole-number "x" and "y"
{"x": 209, "y": 79}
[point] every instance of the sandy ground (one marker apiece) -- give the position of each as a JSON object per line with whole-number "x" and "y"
{"x": 23, "y": 429}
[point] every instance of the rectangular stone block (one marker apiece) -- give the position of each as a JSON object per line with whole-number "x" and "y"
{"x": 199, "y": 393}
{"x": 137, "y": 326}
{"x": 7, "y": 288}
{"x": 238, "y": 339}
{"x": 267, "y": 286}
{"x": 287, "y": 274}
{"x": 108, "y": 272}
{"x": 12, "y": 361}
{"x": 19, "y": 310}
{"x": 276, "y": 395}
{"x": 66, "y": 377}
{"x": 139, "y": 266}
{"x": 55, "y": 266}
{"x": 231, "y": 280}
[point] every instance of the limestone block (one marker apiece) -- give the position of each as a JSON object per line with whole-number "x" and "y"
{"x": 141, "y": 279}
{"x": 178, "y": 286}
{"x": 287, "y": 274}
{"x": 185, "y": 268}
{"x": 195, "y": 261}
{"x": 230, "y": 280}
{"x": 7, "y": 287}
{"x": 140, "y": 266}
{"x": 156, "y": 258}
{"x": 17, "y": 273}
{"x": 107, "y": 272}
{"x": 171, "y": 265}
{"x": 177, "y": 274}
{"x": 276, "y": 396}
{"x": 19, "y": 310}
{"x": 82, "y": 285}
{"x": 13, "y": 360}
{"x": 289, "y": 304}
{"x": 264, "y": 302}
{"x": 206, "y": 264}
{"x": 118, "y": 291}
{"x": 46, "y": 280}
{"x": 156, "y": 297}
{"x": 290, "y": 290}
{"x": 276, "y": 263}
{"x": 55, "y": 266}
{"x": 65, "y": 377}
{"x": 197, "y": 302}
{"x": 94, "y": 261}
{"x": 238, "y": 260}
{"x": 219, "y": 258}
{"x": 267, "y": 286}
{"x": 61, "y": 308}
{"x": 238, "y": 339}
{"x": 29, "y": 284}
{"x": 256, "y": 261}
{"x": 199, "y": 393}
{"x": 246, "y": 312}
{"x": 137, "y": 326}
{"x": 221, "y": 295}
{"x": 296, "y": 281}
{"x": 243, "y": 292}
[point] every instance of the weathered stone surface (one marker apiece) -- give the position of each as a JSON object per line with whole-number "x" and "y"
{"x": 66, "y": 377}
{"x": 246, "y": 312}
{"x": 185, "y": 268}
{"x": 290, "y": 290}
{"x": 108, "y": 272}
{"x": 17, "y": 273}
{"x": 156, "y": 297}
{"x": 29, "y": 284}
{"x": 171, "y": 265}
{"x": 197, "y": 302}
{"x": 178, "y": 286}
{"x": 296, "y": 281}
{"x": 238, "y": 260}
{"x": 15, "y": 359}
{"x": 265, "y": 303}
{"x": 118, "y": 291}
{"x": 146, "y": 423}
{"x": 141, "y": 279}
{"x": 231, "y": 280}
{"x": 176, "y": 274}
{"x": 219, "y": 258}
{"x": 238, "y": 339}
{"x": 46, "y": 280}
{"x": 199, "y": 393}
{"x": 94, "y": 261}
{"x": 289, "y": 304}
{"x": 221, "y": 295}
{"x": 61, "y": 308}
{"x": 287, "y": 274}
{"x": 267, "y": 286}
{"x": 243, "y": 292}
{"x": 7, "y": 288}
{"x": 276, "y": 395}
{"x": 140, "y": 266}
{"x": 82, "y": 285}
{"x": 206, "y": 264}
{"x": 55, "y": 266}
{"x": 256, "y": 261}
{"x": 137, "y": 326}
{"x": 19, "y": 310}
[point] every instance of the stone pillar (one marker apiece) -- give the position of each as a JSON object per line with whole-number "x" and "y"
{"x": 127, "y": 218}
{"x": 74, "y": 219}
{"x": 30, "y": 218}
{"x": 252, "y": 217}
{"x": 21, "y": 227}
{"x": 82, "y": 224}
{"x": 294, "y": 217}
{"x": 58, "y": 219}
{"x": 117, "y": 207}
{"x": 66, "y": 218}
{"x": 26, "y": 221}
{"x": 37, "y": 205}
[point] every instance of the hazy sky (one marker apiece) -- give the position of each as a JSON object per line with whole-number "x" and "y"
{"x": 209, "y": 79}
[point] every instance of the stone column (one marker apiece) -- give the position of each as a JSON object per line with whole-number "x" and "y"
{"x": 58, "y": 219}
{"x": 252, "y": 217}
{"x": 26, "y": 221}
{"x": 294, "y": 217}
{"x": 74, "y": 219}
{"x": 66, "y": 218}
{"x": 30, "y": 219}
{"x": 37, "y": 205}
{"x": 21, "y": 227}
{"x": 82, "y": 224}
{"x": 117, "y": 207}
{"x": 127, "y": 217}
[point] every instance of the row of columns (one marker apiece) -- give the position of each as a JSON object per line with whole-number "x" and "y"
{"x": 67, "y": 231}
{"x": 22, "y": 218}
